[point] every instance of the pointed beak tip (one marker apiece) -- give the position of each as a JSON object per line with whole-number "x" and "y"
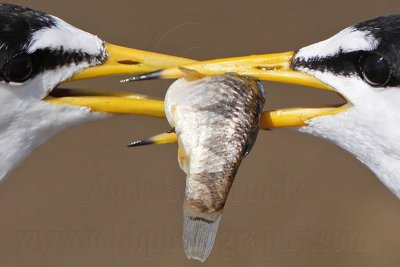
{"x": 138, "y": 143}
{"x": 275, "y": 67}
{"x": 122, "y": 60}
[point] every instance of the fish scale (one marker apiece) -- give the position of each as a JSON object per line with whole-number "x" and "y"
{"x": 216, "y": 119}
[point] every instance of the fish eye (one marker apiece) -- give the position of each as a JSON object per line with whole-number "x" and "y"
{"x": 18, "y": 69}
{"x": 375, "y": 70}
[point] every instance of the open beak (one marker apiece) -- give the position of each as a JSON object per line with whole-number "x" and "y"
{"x": 120, "y": 60}
{"x": 271, "y": 67}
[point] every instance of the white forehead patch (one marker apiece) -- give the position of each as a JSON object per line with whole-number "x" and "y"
{"x": 66, "y": 36}
{"x": 348, "y": 40}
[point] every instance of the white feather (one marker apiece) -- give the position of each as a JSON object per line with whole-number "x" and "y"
{"x": 370, "y": 130}
{"x": 27, "y": 122}
{"x": 24, "y": 125}
{"x": 348, "y": 40}
{"x": 66, "y": 36}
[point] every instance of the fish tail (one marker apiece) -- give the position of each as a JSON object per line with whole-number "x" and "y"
{"x": 199, "y": 236}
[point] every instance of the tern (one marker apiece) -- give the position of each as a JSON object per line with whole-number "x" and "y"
{"x": 39, "y": 51}
{"x": 361, "y": 63}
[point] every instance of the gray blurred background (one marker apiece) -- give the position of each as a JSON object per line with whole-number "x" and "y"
{"x": 84, "y": 199}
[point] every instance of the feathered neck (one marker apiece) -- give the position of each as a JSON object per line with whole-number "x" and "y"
{"x": 375, "y": 142}
{"x": 25, "y": 125}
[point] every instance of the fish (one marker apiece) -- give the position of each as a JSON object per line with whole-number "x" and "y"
{"x": 216, "y": 120}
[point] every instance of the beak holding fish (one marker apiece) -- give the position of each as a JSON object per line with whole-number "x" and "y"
{"x": 216, "y": 121}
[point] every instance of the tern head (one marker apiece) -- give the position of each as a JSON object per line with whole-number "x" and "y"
{"x": 362, "y": 64}
{"x": 39, "y": 51}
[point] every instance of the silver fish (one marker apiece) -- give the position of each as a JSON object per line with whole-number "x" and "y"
{"x": 216, "y": 119}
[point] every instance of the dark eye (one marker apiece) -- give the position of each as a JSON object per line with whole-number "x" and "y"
{"x": 375, "y": 70}
{"x": 19, "y": 68}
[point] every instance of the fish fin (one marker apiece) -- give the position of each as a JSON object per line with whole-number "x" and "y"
{"x": 164, "y": 138}
{"x": 199, "y": 236}
{"x": 183, "y": 158}
{"x": 190, "y": 74}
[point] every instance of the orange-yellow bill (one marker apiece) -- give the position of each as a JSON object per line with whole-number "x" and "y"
{"x": 270, "y": 67}
{"x": 120, "y": 60}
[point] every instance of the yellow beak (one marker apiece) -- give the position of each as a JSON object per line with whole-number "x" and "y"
{"x": 118, "y": 103}
{"x": 120, "y": 60}
{"x": 123, "y": 60}
{"x": 271, "y": 67}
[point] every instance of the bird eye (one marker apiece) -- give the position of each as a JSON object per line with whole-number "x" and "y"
{"x": 18, "y": 69}
{"x": 375, "y": 70}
